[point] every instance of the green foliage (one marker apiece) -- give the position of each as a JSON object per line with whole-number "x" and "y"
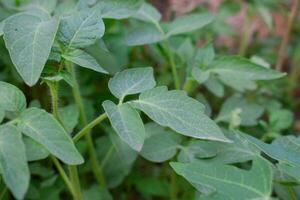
{"x": 102, "y": 124}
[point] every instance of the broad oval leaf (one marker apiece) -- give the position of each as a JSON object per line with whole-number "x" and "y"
{"x": 69, "y": 116}
{"x": 2, "y": 114}
{"x": 11, "y": 98}
{"x": 290, "y": 170}
{"x": 131, "y": 81}
{"x": 81, "y": 28}
{"x": 119, "y": 9}
{"x": 13, "y": 162}
{"x": 29, "y": 37}
{"x": 243, "y": 68}
{"x": 148, "y": 13}
{"x": 84, "y": 59}
{"x": 160, "y": 146}
{"x": 230, "y": 182}
{"x": 44, "y": 129}
{"x": 181, "y": 113}
{"x": 189, "y": 23}
{"x": 146, "y": 34}
{"x": 127, "y": 123}
{"x": 34, "y": 150}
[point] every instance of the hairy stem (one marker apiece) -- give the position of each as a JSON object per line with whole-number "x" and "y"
{"x": 92, "y": 152}
{"x": 286, "y": 37}
{"x": 76, "y": 191}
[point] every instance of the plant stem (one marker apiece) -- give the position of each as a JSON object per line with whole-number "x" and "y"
{"x": 291, "y": 193}
{"x": 89, "y": 127}
{"x": 63, "y": 175}
{"x": 173, "y": 66}
{"x": 244, "y": 41}
{"x": 173, "y": 191}
{"x": 92, "y": 152}
{"x": 3, "y": 192}
{"x": 286, "y": 36}
{"x": 74, "y": 180}
{"x": 170, "y": 57}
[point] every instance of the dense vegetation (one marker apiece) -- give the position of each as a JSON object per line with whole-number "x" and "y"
{"x": 102, "y": 99}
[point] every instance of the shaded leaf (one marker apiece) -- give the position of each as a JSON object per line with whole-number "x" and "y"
{"x": 230, "y": 182}
{"x": 34, "y": 150}
{"x": 11, "y": 98}
{"x": 44, "y": 129}
{"x": 119, "y": 9}
{"x": 146, "y": 34}
{"x": 69, "y": 116}
{"x": 160, "y": 146}
{"x": 13, "y": 163}
{"x": 189, "y": 23}
{"x": 127, "y": 123}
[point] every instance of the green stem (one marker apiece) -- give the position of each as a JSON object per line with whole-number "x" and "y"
{"x": 3, "y": 192}
{"x": 75, "y": 181}
{"x": 92, "y": 152}
{"x": 173, "y": 66}
{"x": 89, "y": 127}
{"x": 291, "y": 193}
{"x": 63, "y": 175}
{"x": 171, "y": 58}
{"x": 173, "y": 191}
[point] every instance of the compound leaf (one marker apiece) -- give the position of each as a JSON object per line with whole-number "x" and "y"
{"x": 181, "y": 113}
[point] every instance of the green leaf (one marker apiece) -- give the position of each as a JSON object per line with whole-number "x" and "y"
{"x": 200, "y": 75}
{"x": 81, "y": 28}
{"x": 13, "y": 163}
{"x": 34, "y": 150}
{"x": 69, "y": 116}
{"x": 46, "y": 5}
{"x": 127, "y": 123}
{"x": 237, "y": 83}
{"x": 161, "y": 145}
{"x": 131, "y": 81}
{"x": 230, "y": 182}
{"x": 11, "y": 98}
{"x": 243, "y": 69}
{"x": 119, "y": 9}
{"x": 1, "y": 28}
{"x": 2, "y": 114}
{"x": 250, "y": 112}
{"x": 285, "y": 149}
{"x": 205, "y": 55}
{"x": 189, "y": 23}
{"x": 181, "y": 113}
{"x": 44, "y": 129}
{"x": 292, "y": 171}
{"x": 146, "y": 34}
{"x": 148, "y": 13}
{"x": 240, "y": 150}
{"x": 112, "y": 150}
{"x": 83, "y": 59}
{"x": 96, "y": 193}
{"x": 281, "y": 119}
{"x": 213, "y": 85}
{"x": 29, "y": 37}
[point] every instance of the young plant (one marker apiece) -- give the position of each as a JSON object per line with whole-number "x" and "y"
{"x": 48, "y": 42}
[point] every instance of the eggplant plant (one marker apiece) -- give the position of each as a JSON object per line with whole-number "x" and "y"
{"x": 100, "y": 99}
